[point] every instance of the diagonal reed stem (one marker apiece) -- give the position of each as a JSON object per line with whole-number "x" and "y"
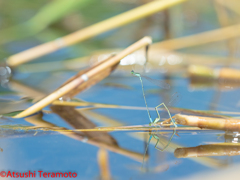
{"x": 85, "y": 77}
{"x": 201, "y": 38}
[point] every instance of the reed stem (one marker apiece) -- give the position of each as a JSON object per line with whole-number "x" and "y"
{"x": 88, "y": 75}
{"x": 201, "y": 38}
{"x": 208, "y": 122}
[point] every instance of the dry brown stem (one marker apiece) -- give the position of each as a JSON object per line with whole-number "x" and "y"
{"x": 88, "y": 75}
{"x": 208, "y": 122}
{"x": 201, "y": 38}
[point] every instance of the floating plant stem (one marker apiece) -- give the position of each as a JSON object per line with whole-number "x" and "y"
{"x": 208, "y": 122}
{"x": 132, "y": 128}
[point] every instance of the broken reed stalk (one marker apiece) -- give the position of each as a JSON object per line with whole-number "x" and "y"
{"x": 208, "y": 122}
{"x": 91, "y": 31}
{"x": 201, "y": 38}
{"x": 208, "y": 150}
{"x": 84, "y": 78}
{"x": 90, "y": 82}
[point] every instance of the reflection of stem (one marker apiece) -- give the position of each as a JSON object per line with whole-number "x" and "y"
{"x": 78, "y": 121}
{"x": 38, "y": 121}
{"x": 208, "y": 150}
{"x": 103, "y": 164}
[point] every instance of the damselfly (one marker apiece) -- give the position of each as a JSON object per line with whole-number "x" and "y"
{"x": 157, "y": 119}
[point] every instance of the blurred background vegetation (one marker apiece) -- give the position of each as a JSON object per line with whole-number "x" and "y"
{"x": 24, "y": 24}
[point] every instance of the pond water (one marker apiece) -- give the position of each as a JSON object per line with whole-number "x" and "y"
{"x": 48, "y": 151}
{"x": 24, "y": 149}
